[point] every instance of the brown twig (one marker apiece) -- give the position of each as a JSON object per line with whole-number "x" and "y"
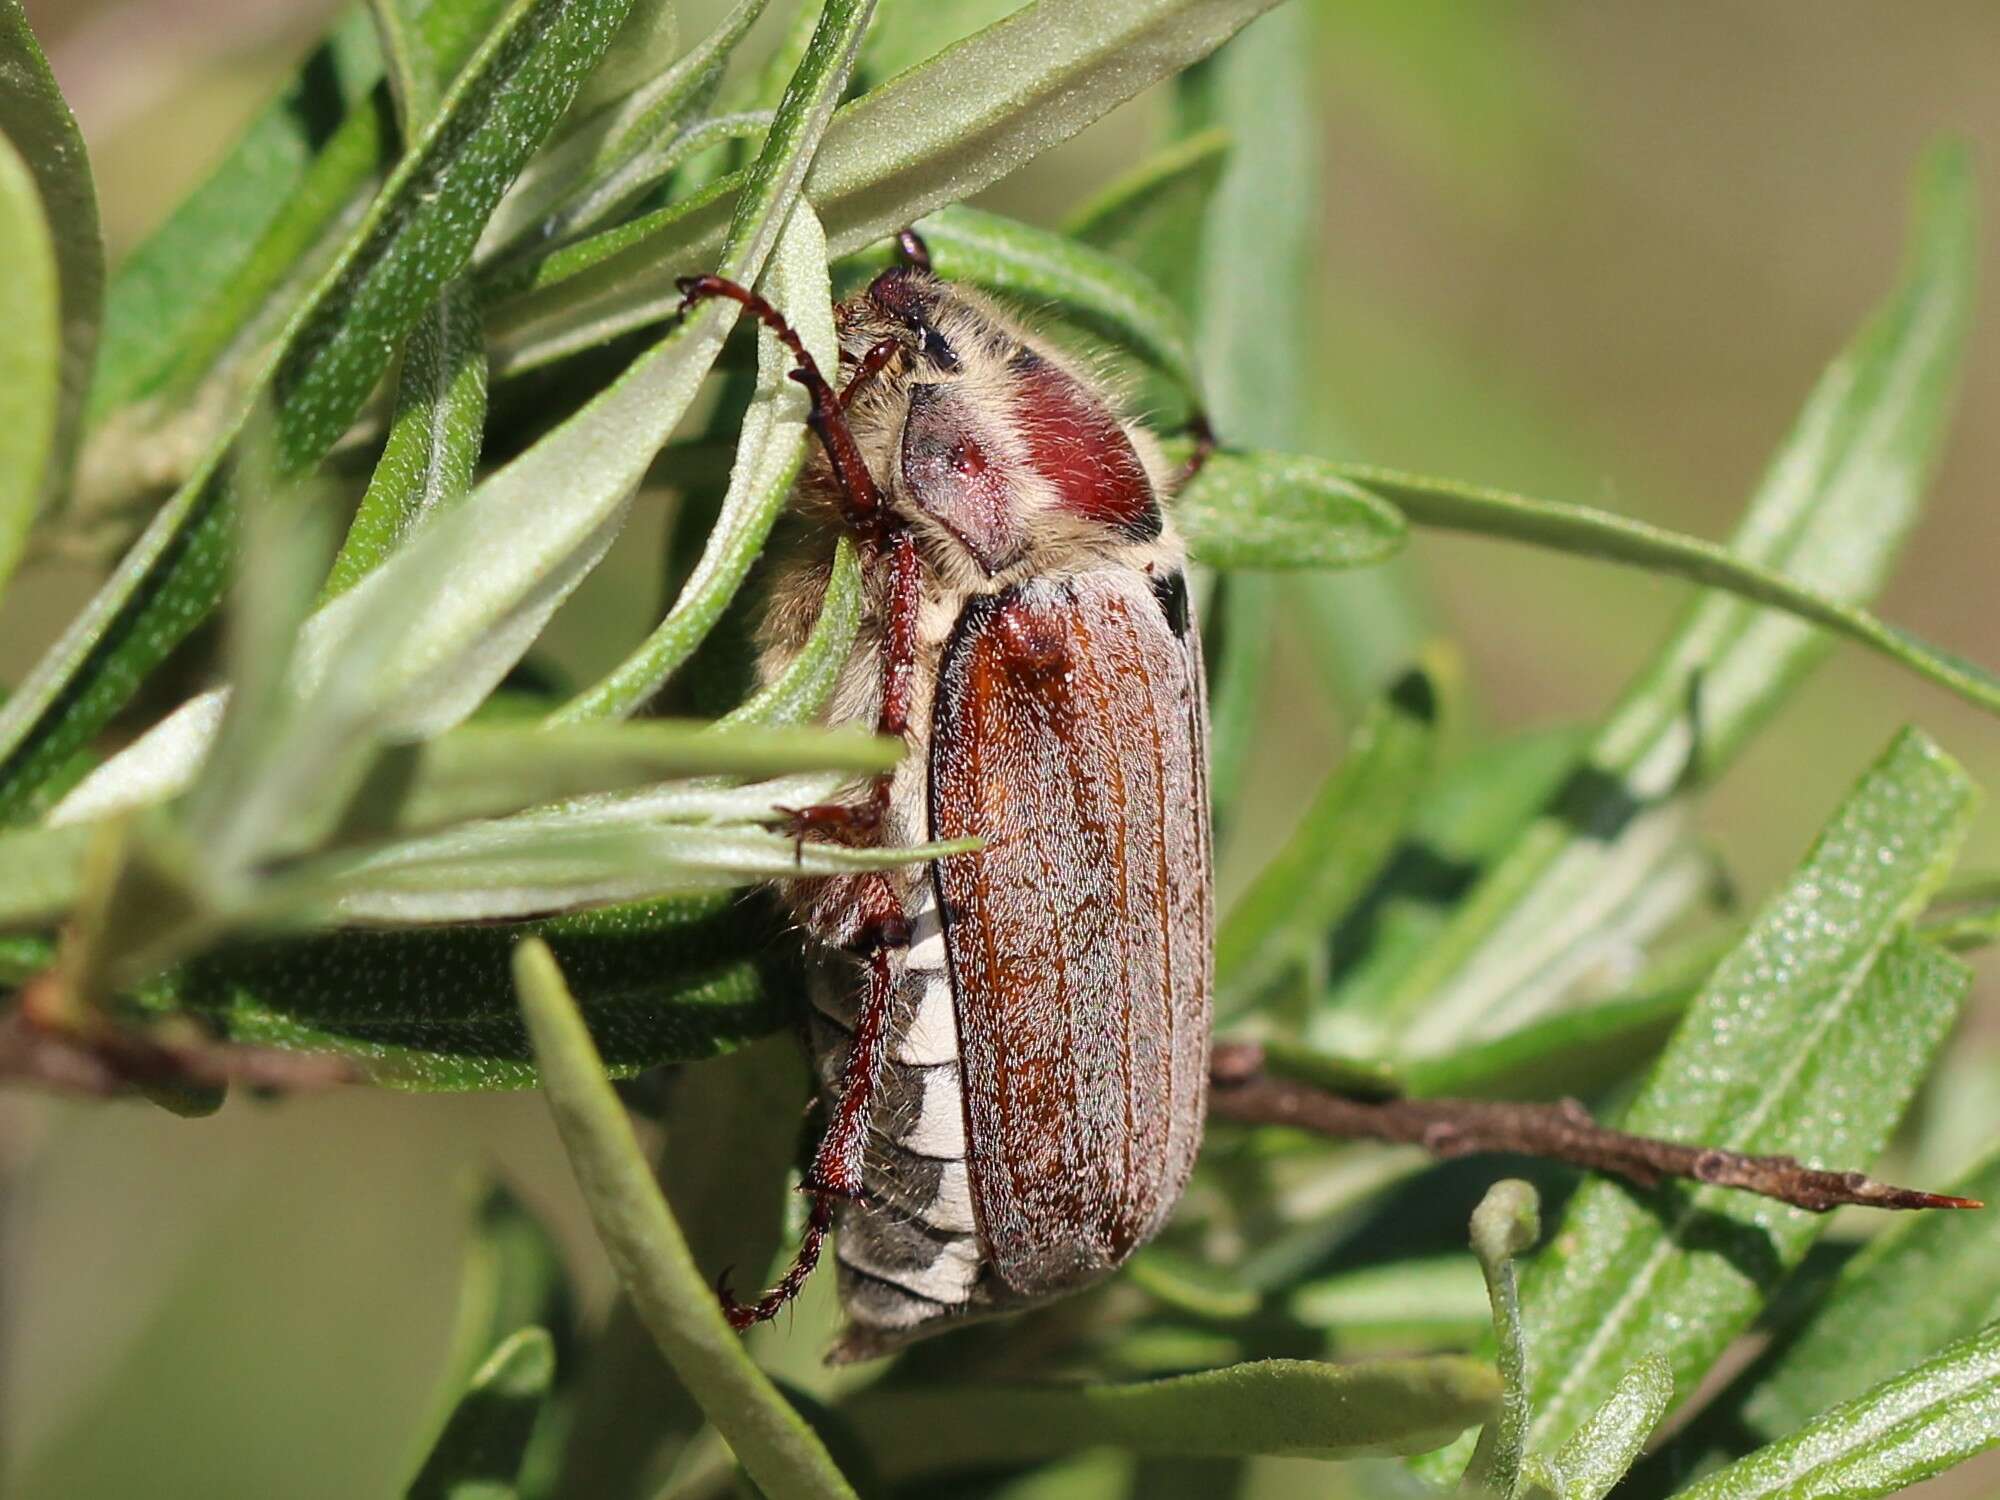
{"x": 46, "y": 1041}
{"x": 1241, "y": 1089}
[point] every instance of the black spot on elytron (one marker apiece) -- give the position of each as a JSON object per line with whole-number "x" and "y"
{"x": 1170, "y": 589}
{"x": 1416, "y": 695}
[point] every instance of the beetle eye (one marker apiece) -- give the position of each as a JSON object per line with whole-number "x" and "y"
{"x": 908, "y": 296}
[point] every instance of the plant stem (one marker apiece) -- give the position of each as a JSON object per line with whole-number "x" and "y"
{"x": 1241, "y": 1089}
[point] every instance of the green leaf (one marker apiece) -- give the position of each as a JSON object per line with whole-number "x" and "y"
{"x": 1258, "y": 261}
{"x": 1809, "y": 1039}
{"x": 908, "y": 32}
{"x": 434, "y": 1008}
{"x": 41, "y": 873}
{"x": 416, "y": 644}
{"x": 1572, "y": 1054}
{"x": 798, "y": 692}
{"x": 1836, "y": 503}
{"x": 418, "y": 235}
{"x": 478, "y": 1456}
{"x": 35, "y": 117}
{"x": 1282, "y": 510}
{"x": 1336, "y": 850}
{"x": 486, "y": 770}
{"x": 608, "y": 159}
{"x": 633, "y": 1418}
{"x": 1908, "y": 1428}
{"x": 434, "y": 436}
{"x": 1453, "y": 506}
{"x": 671, "y": 1294}
{"x": 222, "y": 283}
{"x": 513, "y": 1278}
{"x": 1606, "y": 1446}
{"x": 166, "y": 284}
{"x": 1931, "y": 1279}
{"x": 30, "y": 358}
{"x": 936, "y": 134}
{"x": 1439, "y": 1301}
{"x": 1040, "y": 267}
{"x": 545, "y": 862}
{"x": 1237, "y": 629}
{"x": 770, "y": 449}
{"x": 1282, "y": 1407}
{"x": 406, "y": 56}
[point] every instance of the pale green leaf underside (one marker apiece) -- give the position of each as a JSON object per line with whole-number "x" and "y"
{"x": 672, "y": 1295}
{"x": 1281, "y": 1407}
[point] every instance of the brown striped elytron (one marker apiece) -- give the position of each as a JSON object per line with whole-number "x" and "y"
{"x": 1014, "y": 1042}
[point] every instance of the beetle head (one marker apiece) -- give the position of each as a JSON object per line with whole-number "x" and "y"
{"x": 990, "y": 440}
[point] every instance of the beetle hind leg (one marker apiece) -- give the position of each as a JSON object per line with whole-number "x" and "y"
{"x": 836, "y": 1172}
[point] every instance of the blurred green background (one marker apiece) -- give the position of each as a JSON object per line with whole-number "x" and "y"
{"x": 1594, "y": 251}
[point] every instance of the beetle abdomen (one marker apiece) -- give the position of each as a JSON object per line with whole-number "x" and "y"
{"x": 909, "y": 1252}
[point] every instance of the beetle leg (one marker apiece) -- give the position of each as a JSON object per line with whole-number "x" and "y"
{"x": 899, "y": 665}
{"x": 879, "y": 354}
{"x": 836, "y": 1170}
{"x": 866, "y": 512}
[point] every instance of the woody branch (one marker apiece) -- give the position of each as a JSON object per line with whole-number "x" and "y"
{"x": 1242, "y": 1089}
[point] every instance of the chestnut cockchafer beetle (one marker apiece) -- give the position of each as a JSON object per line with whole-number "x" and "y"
{"x": 1013, "y": 1042}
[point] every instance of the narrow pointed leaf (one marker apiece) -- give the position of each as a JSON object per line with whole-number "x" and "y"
{"x": 1809, "y": 1039}
{"x": 198, "y": 309}
{"x": 1916, "y": 1288}
{"x": 1339, "y": 846}
{"x": 1256, "y": 266}
{"x": 1152, "y": 216}
{"x": 607, "y": 159}
{"x": 1917, "y": 1424}
{"x": 417, "y": 236}
{"x": 1835, "y": 505}
{"x": 406, "y": 55}
{"x": 1261, "y": 510}
{"x": 1281, "y": 1407}
{"x": 770, "y": 449}
{"x": 30, "y": 358}
{"x": 36, "y": 118}
{"x": 420, "y": 641}
{"x": 672, "y": 1295}
{"x": 434, "y": 1008}
{"x": 932, "y": 136}
{"x": 434, "y": 436}
{"x": 1606, "y": 1446}
{"x": 1505, "y": 1225}
{"x": 1578, "y": 529}
{"x": 798, "y": 692}
{"x": 496, "y": 871}
{"x": 478, "y": 1455}
{"x": 165, "y": 284}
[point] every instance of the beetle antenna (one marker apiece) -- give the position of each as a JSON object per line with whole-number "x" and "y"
{"x": 911, "y": 247}
{"x": 1204, "y": 444}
